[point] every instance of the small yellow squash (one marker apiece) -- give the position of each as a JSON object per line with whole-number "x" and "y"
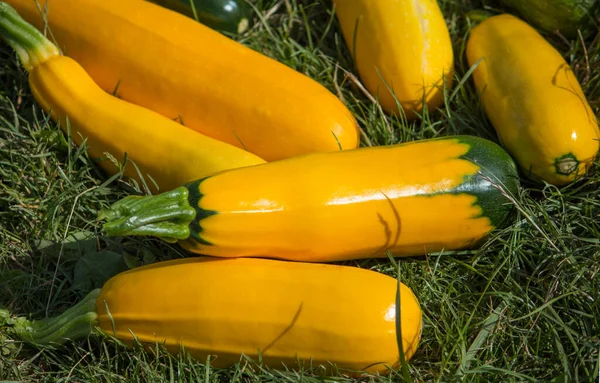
{"x": 533, "y": 100}
{"x": 403, "y": 45}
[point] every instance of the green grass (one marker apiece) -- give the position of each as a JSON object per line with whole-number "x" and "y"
{"x": 523, "y": 307}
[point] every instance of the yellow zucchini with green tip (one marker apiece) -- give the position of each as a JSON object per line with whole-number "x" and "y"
{"x": 413, "y": 198}
{"x": 287, "y": 314}
{"x": 533, "y": 100}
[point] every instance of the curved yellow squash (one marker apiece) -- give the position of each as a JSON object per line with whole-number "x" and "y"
{"x": 285, "y": 311}
{"x": 163, "y": 151}
{"x": 403, "y": 45}
{"x": 533, "y": 99}
{"x": 167, "y": 62}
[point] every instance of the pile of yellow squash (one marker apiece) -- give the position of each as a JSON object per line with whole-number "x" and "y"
{"x": 246, "y": 159}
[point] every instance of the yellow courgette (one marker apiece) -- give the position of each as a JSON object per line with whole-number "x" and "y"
{"x": 169, "y": 63}
{"x": 533, "y": 100}
{"x": 163, "y": 151}
{"x": 411, "y": 199}
{"x": 402, "y": 45}
{"x": 289, "y": 314}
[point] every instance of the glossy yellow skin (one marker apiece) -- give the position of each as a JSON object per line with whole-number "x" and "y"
{"x": 532, "y": 98}
{"x": 402, "y": 43}
{"x": 285, "y": 310}
{"x": 257, "y": 217}
{"x": 161, "y": 148}
{"x": 168, "y": 62}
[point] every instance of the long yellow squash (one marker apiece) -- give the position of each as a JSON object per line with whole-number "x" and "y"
{"x": 533, "y": 100}
{"x": 296, "y": 315}
{"x": 163, "y": 151}
{"x": 168, "y": 62}
{"x": 411, "y": 199}
{"x": 403, "y": 45}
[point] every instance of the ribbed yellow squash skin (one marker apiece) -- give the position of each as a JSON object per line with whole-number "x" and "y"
{"x": 284, "y": 310}
{"x": 168, "y": 62}
{"x": 163, "y": 150}
{"x": 402, "y": 43}
{"x": 533, "y": 100}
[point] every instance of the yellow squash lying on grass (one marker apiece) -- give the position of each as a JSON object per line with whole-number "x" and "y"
{"x": 533, "y": 99}
{"x": 289, "y": 312}
{"x": 411, "y": 199}
{"x": 168, "y": 62}
{"x": 163, "y": 151}
{"x": 403, "y": 45}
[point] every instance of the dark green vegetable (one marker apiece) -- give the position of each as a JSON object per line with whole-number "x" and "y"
{"x": 566, "y": 16}
{"x": 222, "y": 15}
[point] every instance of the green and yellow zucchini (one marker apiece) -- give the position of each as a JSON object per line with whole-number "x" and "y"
{"x": 413, "y": 198}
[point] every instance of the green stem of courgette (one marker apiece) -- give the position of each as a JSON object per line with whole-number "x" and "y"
{"x": 76, "y": 322}
{"x": 30, "y": 44}
{"x": 166, "y": 216}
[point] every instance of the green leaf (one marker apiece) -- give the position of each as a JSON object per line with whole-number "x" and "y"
{"x": 85, "y": 241}
{"x": 5, "y": 318}
{"x": 93, "y": 269}
{"x": 43, "y": 244}
{"x": 149, "y": 256}
{"x": 72, "y": 248}
{"x": 7, "y": 348}
{"x": 130, "y": 260}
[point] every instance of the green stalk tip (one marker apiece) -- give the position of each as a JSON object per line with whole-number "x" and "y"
{"x": 76, "y": 322}
{"x": 32, "y": 47}
{"x": 166, "y": 216}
